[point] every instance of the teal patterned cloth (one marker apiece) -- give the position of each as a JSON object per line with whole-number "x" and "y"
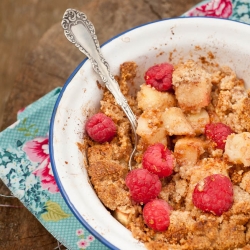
{"x": 26, "y": 171}
{"x": 24, "y": 155}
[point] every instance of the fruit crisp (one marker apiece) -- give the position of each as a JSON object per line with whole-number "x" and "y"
{"x": 190, "y": 186}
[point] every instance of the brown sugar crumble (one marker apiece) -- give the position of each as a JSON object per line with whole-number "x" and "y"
{"x": 202, "y": 94}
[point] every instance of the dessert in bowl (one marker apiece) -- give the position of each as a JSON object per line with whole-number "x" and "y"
{"x": 209, "y": 42}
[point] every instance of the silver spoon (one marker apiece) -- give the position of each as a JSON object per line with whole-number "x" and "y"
{"x": 81, "y": 32}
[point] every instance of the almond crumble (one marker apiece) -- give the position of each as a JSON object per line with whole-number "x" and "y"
{"x": 177, "y": 119}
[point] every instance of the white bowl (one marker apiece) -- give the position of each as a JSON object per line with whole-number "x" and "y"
{"x": 151, "y": 43}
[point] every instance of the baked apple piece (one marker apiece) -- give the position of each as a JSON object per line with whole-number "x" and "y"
{"x": 150, "y": 127}
{"x": 150, "y": 98}
{"x": 192, "y": 85}
{"x": 176, "y": 123}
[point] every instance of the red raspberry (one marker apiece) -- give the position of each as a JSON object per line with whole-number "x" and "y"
{"x": 159, "y": 160}
{"x": 214, "y": 194}
{"x": 100, "y": 128}
{"x": 160, "y": 76}
{"x": 156, "y": 214}
{"x": 218, "y": 132}
{"x": 143, "y": 185}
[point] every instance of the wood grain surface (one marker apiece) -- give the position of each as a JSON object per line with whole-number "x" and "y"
{"x": 47, "y": 64}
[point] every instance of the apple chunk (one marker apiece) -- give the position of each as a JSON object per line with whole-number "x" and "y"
{"x": 176, "y": 123}
{"x": 150, "y": 98}
{"x": 198, "y": 121}
{"x": 237, "y": 148}
{"x": 150, "y": 127}
{"x": 188, "y": 150}
{"x": 192, "y": 86}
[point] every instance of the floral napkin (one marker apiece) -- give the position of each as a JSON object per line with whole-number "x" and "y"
{"x": 24, "y": 155}
{"x": 238, "y": 10}
{"x": 25, "y": 169}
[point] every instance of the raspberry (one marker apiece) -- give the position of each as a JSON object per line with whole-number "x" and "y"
{"x": 160, "y": 76}
{"x": 218, "y": 132}
{"x": 143, "y": 185}
{"x": 214, "y": 194}
{"x": 159, "y": 160}
{"x": 100, "y": 128}
{"x": 156, "y": 214}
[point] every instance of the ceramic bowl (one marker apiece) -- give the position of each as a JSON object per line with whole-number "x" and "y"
{"x": 175, "y": 39}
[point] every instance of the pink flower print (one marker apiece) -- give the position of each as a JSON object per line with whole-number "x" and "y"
{"x": 82, "y": 243}
{"x": 37, "y": 150}
{"x": 90, "y": 238}
{"x": 20, "y": 110}
{"x": 215, "y": 8}
{"x": 44, "y": 171}
{"x": 79, "y": 232}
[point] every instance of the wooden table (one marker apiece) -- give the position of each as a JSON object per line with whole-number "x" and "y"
{"x": 48, "y": 66}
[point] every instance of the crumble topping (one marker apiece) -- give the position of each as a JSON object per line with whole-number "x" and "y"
{"x": 177, "y": 120}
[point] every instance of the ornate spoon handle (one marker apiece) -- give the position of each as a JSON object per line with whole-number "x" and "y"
{"x": 81, "y": 32}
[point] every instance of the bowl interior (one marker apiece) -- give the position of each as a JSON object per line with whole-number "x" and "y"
{"x": 167, "y": 40}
